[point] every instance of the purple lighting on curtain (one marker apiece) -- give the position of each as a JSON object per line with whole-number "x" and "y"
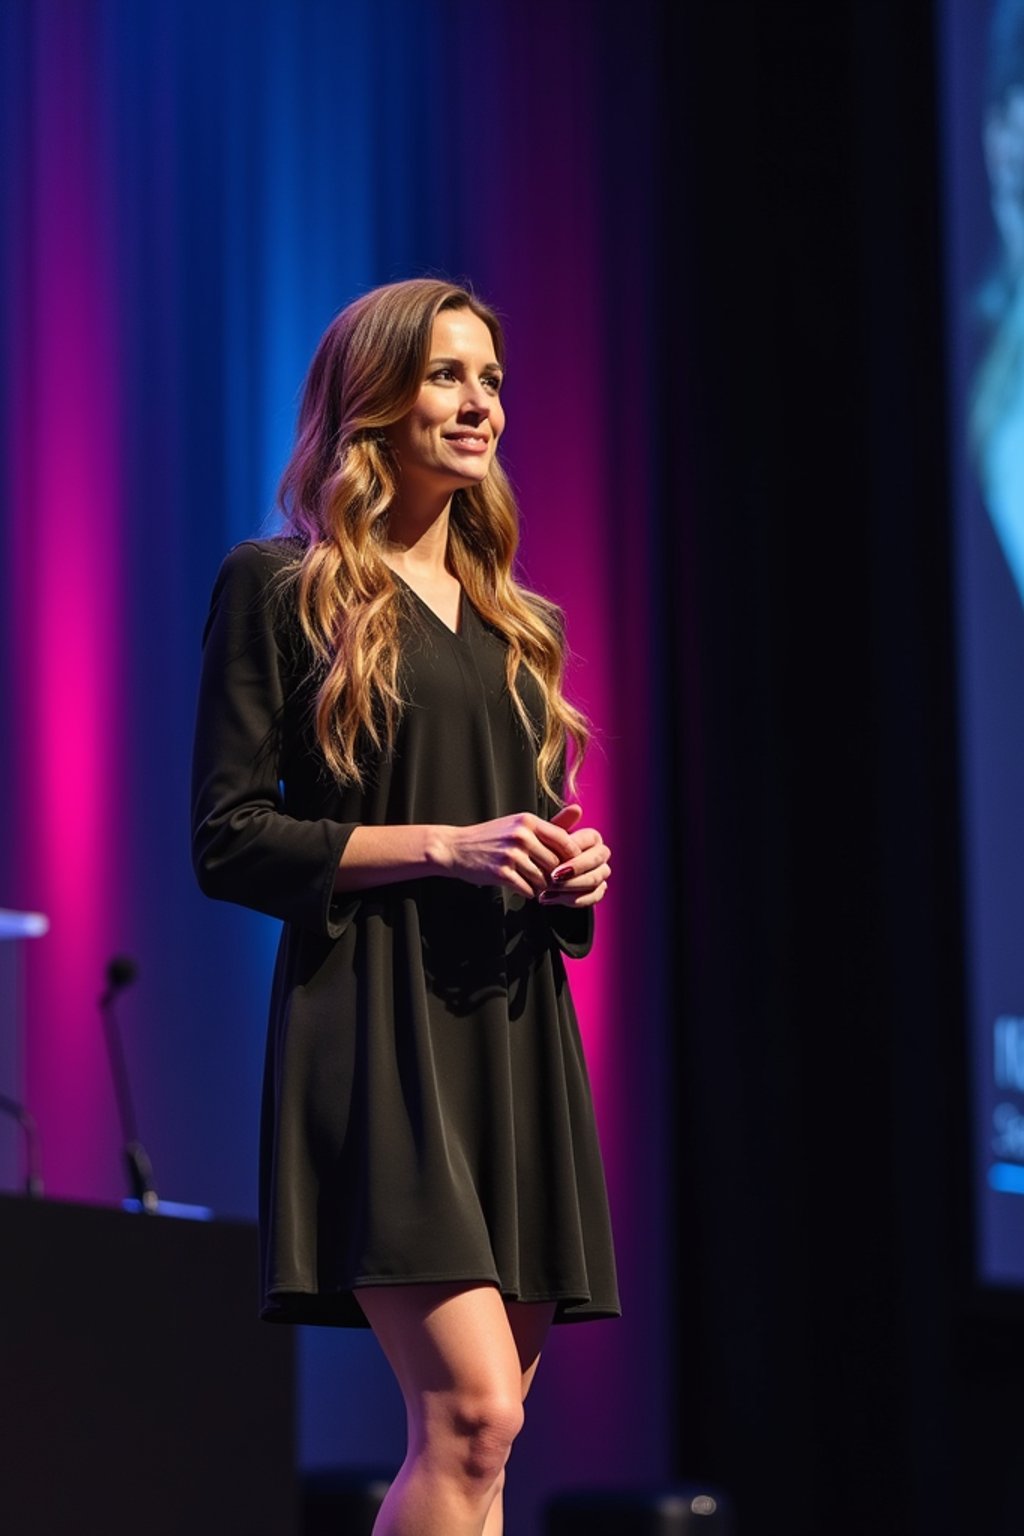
{"x": 557, "y": 405}
{"x": 64, "y": 542}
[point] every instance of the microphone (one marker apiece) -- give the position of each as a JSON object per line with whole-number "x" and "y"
{"x": 121, "y": 972}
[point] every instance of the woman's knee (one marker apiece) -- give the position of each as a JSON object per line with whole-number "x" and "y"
{"x": 479, "y": 1428}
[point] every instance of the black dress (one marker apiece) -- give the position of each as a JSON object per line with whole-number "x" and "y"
{"x": 426, "y": 1113}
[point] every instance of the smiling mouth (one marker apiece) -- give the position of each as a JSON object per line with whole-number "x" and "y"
{"x": 469, "y": 442}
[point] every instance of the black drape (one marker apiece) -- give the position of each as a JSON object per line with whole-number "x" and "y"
{"x": 833, "y": 1370}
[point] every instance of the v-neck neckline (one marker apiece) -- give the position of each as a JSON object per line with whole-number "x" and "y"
{"x": 456, "y": 634}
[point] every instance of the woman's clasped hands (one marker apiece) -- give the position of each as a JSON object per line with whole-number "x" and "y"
{"x": 556, "y": 861}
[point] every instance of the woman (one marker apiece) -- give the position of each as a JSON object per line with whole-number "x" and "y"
{"x": 380, "y": 746}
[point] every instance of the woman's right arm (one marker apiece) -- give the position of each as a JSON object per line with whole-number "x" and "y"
{"x": 518, "y": 852}
{"x": 245, "y": 847}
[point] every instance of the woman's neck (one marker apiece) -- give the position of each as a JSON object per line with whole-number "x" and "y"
{"x": 417, "y": 539}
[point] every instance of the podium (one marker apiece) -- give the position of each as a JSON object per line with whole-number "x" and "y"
{"x": 140, "y": 1395}
{"x": 15, "y": 928}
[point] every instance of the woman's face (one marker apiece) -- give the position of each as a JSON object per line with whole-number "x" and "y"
{"x": 448, "y": 438}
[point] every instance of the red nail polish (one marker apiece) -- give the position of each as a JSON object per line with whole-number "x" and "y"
{"x": 562, "y": 872}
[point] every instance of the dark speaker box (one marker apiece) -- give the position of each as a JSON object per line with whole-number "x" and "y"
{"x": 685, "y": 1509}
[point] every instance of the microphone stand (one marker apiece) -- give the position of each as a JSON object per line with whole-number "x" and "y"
{"x": 33, "y": 1175}
{"x": 120, "y": 974}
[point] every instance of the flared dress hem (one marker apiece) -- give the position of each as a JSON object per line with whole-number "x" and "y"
{"x": 341, "y": 1309}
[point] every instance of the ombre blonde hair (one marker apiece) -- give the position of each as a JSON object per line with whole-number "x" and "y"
{"x": 336, "y": 492}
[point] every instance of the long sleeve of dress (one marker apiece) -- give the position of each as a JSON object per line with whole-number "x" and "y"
{"x": 245, "y": 847}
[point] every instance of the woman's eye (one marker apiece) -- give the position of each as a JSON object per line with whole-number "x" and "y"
{"x": 490, "y": 381}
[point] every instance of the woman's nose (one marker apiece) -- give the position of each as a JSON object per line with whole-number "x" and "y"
{"x": 475, "y": 397}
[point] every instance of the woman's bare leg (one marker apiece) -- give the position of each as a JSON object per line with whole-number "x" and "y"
{"x": 455, "y": 1353}
{"x": 529, "y": 1322}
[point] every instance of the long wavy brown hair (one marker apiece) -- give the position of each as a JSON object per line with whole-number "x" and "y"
{"x": 335, "y": 494}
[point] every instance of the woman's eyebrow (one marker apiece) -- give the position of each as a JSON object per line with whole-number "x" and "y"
{"x": 458, "y": 362}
